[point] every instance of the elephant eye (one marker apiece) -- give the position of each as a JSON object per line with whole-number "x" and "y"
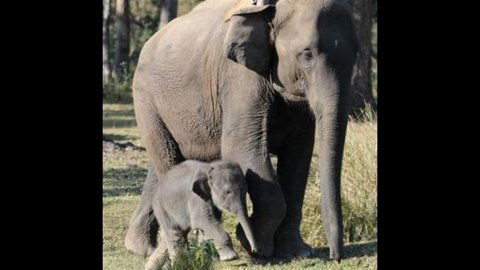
{"x": 306, "y": 58}
{"x": 228, "y": 192}
{"x": 307, "y": 53}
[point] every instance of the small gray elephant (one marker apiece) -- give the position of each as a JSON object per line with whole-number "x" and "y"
{"x": 192, "y": 195}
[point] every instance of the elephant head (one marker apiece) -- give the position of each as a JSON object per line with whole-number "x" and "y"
{"x": 225, "y": 184}
{"x": 307, "y": 49}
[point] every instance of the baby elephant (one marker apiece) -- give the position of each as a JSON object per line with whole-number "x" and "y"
{"x": 190, "y": 196}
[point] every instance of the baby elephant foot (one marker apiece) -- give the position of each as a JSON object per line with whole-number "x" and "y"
{"x": 156, "y": 264}
{"x": 138, "y": 243}
{"x": 157, "y": 260}
{"x": 227, "y": 254}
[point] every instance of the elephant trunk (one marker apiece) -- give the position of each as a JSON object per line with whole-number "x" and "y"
{"x": 332, "y": 129}
{"x": 330, "y": 102}
{"x": 242, "y": 217}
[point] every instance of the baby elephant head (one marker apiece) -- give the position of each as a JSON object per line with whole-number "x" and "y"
{"x": 225, "y": 184}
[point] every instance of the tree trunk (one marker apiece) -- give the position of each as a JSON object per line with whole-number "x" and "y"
{"x": 361, "y": 84}
{"x": 107, "y": 68}
{"x": 168, "y": 11}
{"x": 123, "y": 39}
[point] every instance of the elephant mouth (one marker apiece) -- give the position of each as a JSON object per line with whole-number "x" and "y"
{"x": 299, "y": 93}
{"x": 295, "y": 94}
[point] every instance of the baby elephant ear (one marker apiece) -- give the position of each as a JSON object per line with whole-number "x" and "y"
{"x": 247, "y": 40}
{"x": 200, "y": 186}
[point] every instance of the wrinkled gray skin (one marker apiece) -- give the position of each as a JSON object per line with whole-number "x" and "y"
{"x": 192, "y": 195}
{"x": 261, "y": 81}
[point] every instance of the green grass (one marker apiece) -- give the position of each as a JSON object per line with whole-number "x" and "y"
{"x": 125, "y": 172}
{"x": 192, "y": 254}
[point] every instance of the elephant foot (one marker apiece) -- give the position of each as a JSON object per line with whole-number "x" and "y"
{"x": 336, "y": 255}
{"x": 156, "y": 263}
{"x": 264, "y": 244}
{"x": 138, "y": 243}
{"x": 227, "y": 254}
{"x": 287, "y": 247}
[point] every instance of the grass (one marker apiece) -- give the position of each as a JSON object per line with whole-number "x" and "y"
{"x": 193, "y": 254}
{"x": 125, "y": 171}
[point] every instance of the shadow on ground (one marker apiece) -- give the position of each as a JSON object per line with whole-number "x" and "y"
{"x": 123, "y": 181}
{"x": 119, "y": 122}
{"x": 107, "y": 113}
{"x": 118, "y": 137}
{"x": 351, "y": 251}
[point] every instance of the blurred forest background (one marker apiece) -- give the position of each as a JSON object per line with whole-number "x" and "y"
{"x": 128, "y": 24}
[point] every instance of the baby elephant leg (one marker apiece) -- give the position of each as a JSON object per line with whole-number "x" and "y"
{"x": 226, "y": 252}
{"x": 159, "y": 255}
{"x": 221, "y": 239}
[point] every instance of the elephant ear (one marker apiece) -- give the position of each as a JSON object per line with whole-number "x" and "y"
{"x": 247, "y": 40}
{"x": 200, "y": 186}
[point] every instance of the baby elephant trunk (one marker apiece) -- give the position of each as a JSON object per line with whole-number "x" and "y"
{"x": 242, "y": 217}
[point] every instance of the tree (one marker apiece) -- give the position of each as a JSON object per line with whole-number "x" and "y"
{"x": 361, "y": 84}
{"x": 107, "y": 68}
{"x": 168, "y": 11}
{"x": 123, "y": 39}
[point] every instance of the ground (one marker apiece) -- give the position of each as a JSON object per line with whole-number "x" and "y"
{"x": 125, "y": 168}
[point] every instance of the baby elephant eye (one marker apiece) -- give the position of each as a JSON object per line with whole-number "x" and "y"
{"x": 306, "y": 58}
{"x": 307, "y": 54}
{"x": 228, "y": 192}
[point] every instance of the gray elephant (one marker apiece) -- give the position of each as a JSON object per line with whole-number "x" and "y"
{"x": 241, "y": 82}
{"x": 192, "y": 195}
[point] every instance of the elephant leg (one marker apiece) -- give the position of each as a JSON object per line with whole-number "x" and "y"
{"x": 268, "y": 208}
{"x": 163, "y": 152}
{"x": 177, "y": 242}
{"x": 159, "y": 256}
{"x": 244, "y": 140}
{"x": 223, "y": 243}
{"x": 172, "y": 240}
{"x": 292, "y": 171}
{"x": 143, "y": 228}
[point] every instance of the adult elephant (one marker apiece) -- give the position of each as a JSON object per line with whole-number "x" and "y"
{"x": 238, "y": 81}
